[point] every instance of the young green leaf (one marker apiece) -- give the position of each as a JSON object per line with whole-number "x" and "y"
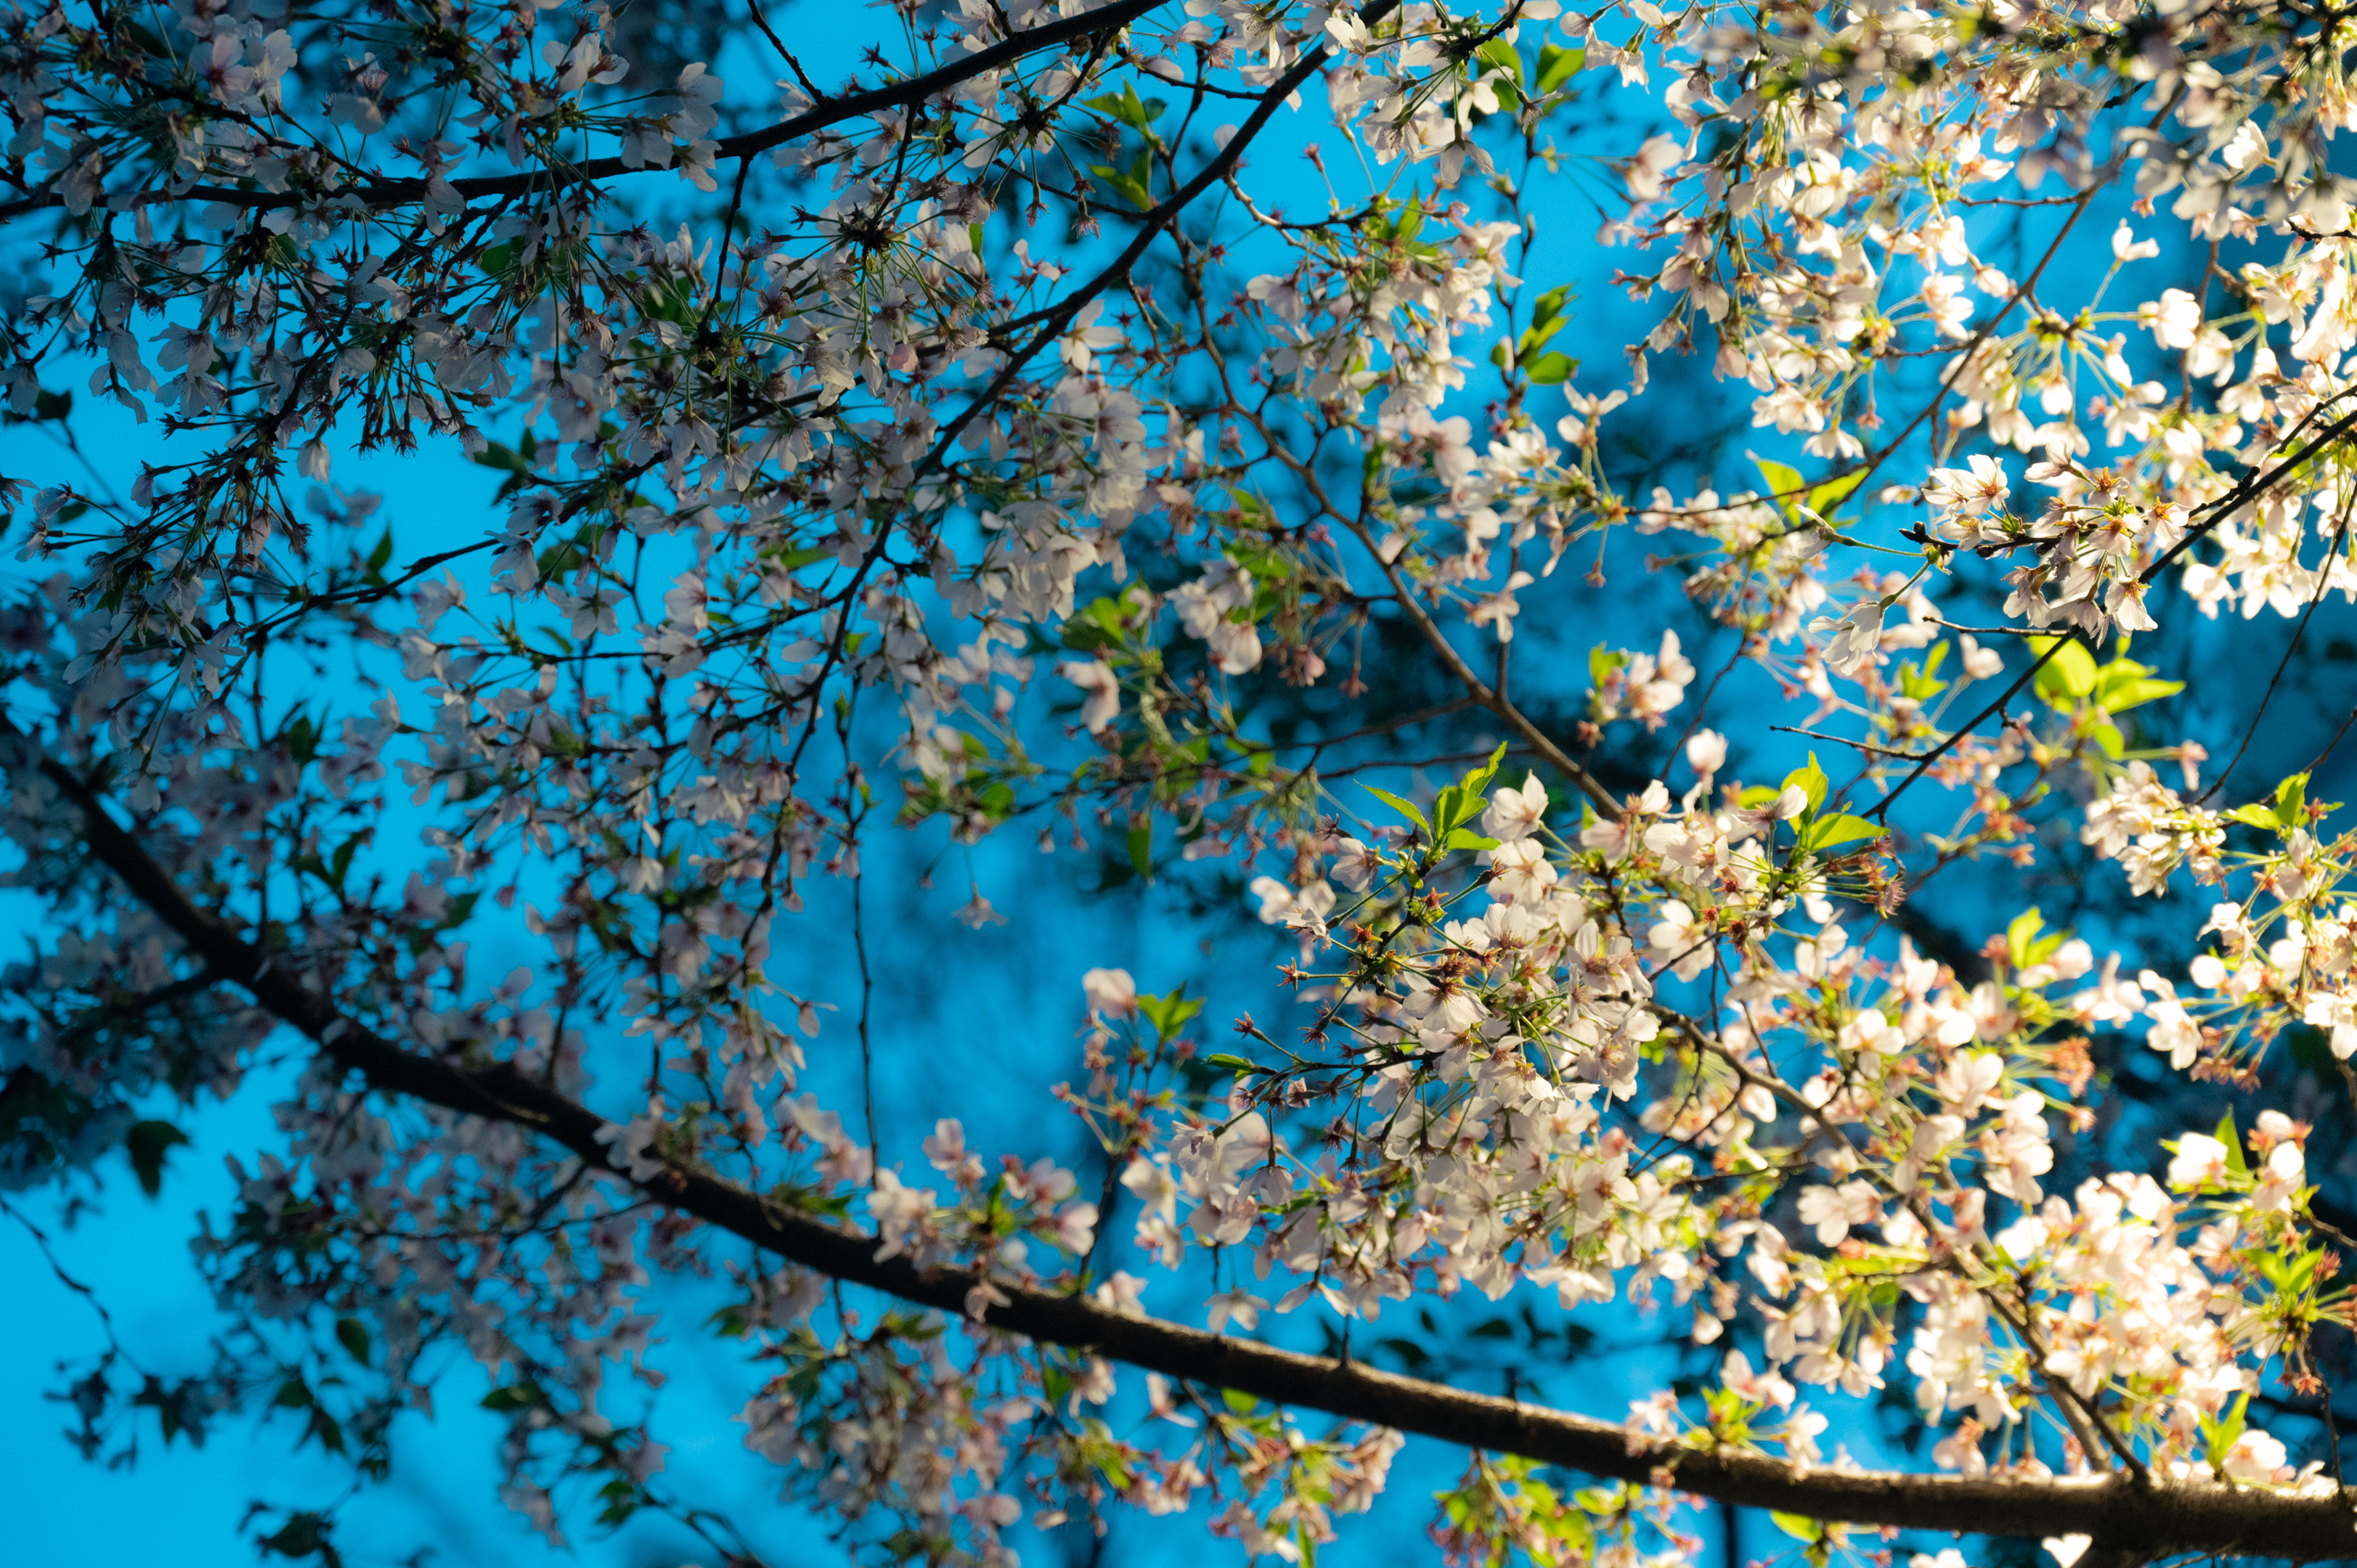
{"x": 1553, "y": 368}
{"x": 1168, "y": 1015}
{"x": 1405, "y": 807}
{"x": 2233, "y": 1142}
{"x": 1823, "y": 497}
{"x": 2070, "y": 675}
{"x": 2291, "y": 801}
{"x": 1784, "y": 484}
{"x": 1811, "y": 780}
{"x": 1841, "y": 828}
{"x": 2021, "y": 935}
{"x": 1555, "y": 66}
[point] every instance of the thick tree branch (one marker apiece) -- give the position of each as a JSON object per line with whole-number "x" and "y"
{"x": 2132, "y": 1522}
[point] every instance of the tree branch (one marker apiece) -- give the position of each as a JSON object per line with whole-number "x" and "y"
{"x": 1522, "y": 725}
{"x": 826, "y": 112}
{"x": 2133, "y": 1520}
{"x": 2253, "y": 481}
{"x": 1880, "y": 808}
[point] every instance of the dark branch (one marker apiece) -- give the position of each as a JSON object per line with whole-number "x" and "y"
{"x": 2131, "y": 1521}
{"x": 818, "y": 117}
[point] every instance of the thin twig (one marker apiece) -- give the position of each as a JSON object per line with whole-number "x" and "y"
{"x": 2252, "y": 483}
{"x": 2330, "y": 745}
{"x": 41, "y": 1240}
{"x": 762, "y": 21}
{"x": 2323, "y": 581}
{"x": 1883, "y": 805}
{"x": 1998, "y": 630}
{"x": 1845, "y": 740}
{"x": 1971, "y": 345}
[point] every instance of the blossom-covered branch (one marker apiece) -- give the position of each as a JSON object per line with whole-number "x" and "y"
{"x": 2123, "y": 1516}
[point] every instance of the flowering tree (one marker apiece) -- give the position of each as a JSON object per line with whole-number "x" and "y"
{"x": 982, "y": 447}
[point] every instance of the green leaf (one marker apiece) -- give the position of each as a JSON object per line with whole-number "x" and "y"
{"x": 1460, "y": 802}
{"x": 146, "y": 1144}
{"x": 1466, "y": 838}
{"x": 1499, "y": 55}
{"x": 1553, "y": 368}
{"x": 1603, "y": 664}
{"x": 1133, "y": 184}
{"x": 341, "y": 864}
{"x": 1234, "y": 1064}
{"x": 1168, "y": 1015}
{"x": 304, "y": 1535}
{"x": 2261, "y": 816}
{"x": 1549, "y": 306}
{"x": 1823, "y": 497}
{"x": 1448, "y": 809}
{"x": 2118, "y": 697}
{"x": 1555, "y": 66}
{"x": 1799, "y": 1527}
{"x": 1141, "y": 849}
{"x": 1783, "y": 484}
{"x": 622, "y": 1495}
{"x": 2022, "y": 934}
{"x": 327, "y": 1429}
{"x": 1916, "y": 683}
{"x": 1838, "y": 829}
{"x": 2226, "y": 1431}
{"x": 1405, "y": 807}
{"x": 2067, "y": 676}
{"x": 1548, "y": 316}
{"x": 499, "y": 455}
{"x": 1811, "y": 780}
{"x": 1128, "y": 107}
{"x": 2233, "y": 1142}
{"x": 1536, "y": 339}
{"x": 2024, "y": 944}
{"x": 2291, "y": 801}
{"x": 1402, "y": 228}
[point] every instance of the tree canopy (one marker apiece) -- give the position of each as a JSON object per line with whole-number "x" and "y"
{"x": 1270, "y": 457}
